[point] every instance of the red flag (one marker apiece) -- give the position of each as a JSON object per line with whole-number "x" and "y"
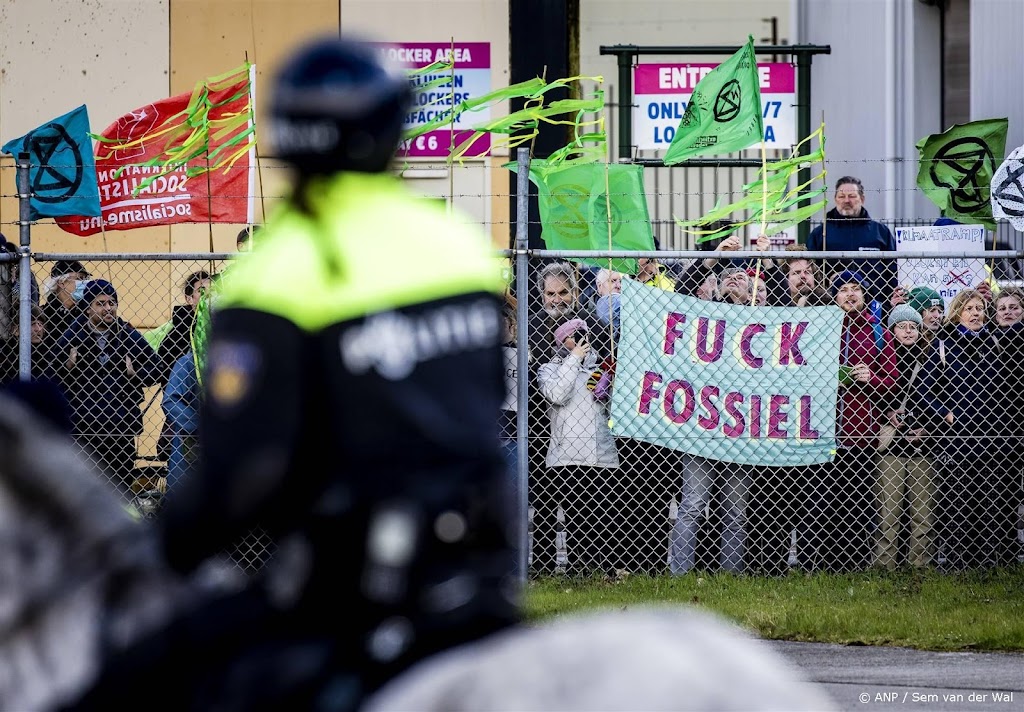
{"x": 189, "y": 158}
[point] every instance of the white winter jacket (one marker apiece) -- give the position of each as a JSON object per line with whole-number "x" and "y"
{"x": 579, "y": 424}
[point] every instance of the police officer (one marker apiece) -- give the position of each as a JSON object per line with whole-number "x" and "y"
{"x": 353, "y": 386}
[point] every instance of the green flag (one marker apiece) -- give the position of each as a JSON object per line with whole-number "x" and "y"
{"x": 724, "y": 112}
{"x": 574, "y": 209}
{"x": 201, "y": 329}
{"x": 957, "y": 166}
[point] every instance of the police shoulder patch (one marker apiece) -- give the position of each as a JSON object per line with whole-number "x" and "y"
{"x": 232, "y": 369}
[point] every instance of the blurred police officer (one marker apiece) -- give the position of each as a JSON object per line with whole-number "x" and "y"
{"x": 352, "y": 417}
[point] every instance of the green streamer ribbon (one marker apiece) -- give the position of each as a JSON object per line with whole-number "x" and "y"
{"x": 188, "y": 134}
{"x": 773, "y": 179}
{"x": 525, "y": 123}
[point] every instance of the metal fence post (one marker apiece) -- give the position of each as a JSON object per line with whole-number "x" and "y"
{"x": 24, "y": 269}
{"x": 803, "y": 129}
{"x": 522, "y": 359}
{"x": 625, "y": 105}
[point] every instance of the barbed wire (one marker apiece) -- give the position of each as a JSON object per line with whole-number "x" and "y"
{"x": 502, "y": 194}
{"x": 897, "y": 221}
{"x": 8, "y": 165}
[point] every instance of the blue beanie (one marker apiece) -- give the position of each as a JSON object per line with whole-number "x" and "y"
{"x": 845, "y": 277}
{"x": 97, "y": 287}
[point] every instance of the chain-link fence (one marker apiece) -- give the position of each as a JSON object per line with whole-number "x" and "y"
{"x": 673, "y": 426}
{"x": 670, "y": 424}
{"x": 115, "y": 333}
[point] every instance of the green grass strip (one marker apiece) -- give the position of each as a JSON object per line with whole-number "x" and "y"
{"x": 915, "y": 609}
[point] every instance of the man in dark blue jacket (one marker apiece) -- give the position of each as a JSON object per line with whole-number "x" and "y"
{"x": 104, "y": 364}
{"x": 848, "y": 227}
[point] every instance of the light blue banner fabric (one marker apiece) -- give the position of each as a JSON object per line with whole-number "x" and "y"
{"x": 749, "y": 385}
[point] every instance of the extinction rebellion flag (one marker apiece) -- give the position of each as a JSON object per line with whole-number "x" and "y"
{"x": 724, "y": 111}
{"x": 957, "y": 167}
{"x": 62, "y": 174}
{"x": 587, "y": 206}
{"x": 188, "y": 158}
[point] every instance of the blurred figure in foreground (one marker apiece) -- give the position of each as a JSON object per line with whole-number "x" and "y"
{"x": 82, "y": 578}
{"x": 656, "y": 658}
{"x": 382, "y": 561}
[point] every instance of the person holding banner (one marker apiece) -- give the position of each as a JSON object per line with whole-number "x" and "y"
{"x": 839, "y": 511}
{"x": 701, "y": 478}
{"x": 734, "y": 285}
{"x": 802, "y": 286}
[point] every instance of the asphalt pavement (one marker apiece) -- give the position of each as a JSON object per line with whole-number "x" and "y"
{"x": 876, "y": 679}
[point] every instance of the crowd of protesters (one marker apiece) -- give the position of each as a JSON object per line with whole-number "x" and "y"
{"x": 927, "y": 471}
{"x": 928, "y": 466}
{"x": 103, "y": 365}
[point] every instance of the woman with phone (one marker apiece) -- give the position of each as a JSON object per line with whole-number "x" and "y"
{"x": 581, "y": 451}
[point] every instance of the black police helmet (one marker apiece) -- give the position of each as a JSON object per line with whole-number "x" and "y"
{"x": 337, "y": 107}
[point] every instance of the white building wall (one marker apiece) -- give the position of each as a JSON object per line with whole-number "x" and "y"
{"x": 676, "y": 192}
{"x": 55, "y": 55}
{"x": 880, "y": 92}
{"x": 997, "y": 64}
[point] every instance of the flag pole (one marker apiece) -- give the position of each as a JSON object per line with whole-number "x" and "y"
{"x": 824, "y": 179}
{"x": 106, "y": 251}
{"x": 764, "y": 217}
{"x": 533, "y": 139}
{"x": 252, "y": 119}
{"x": 451, "y": 134}
{"x": 608, "y": 219}
{"x": 209, "y": 185}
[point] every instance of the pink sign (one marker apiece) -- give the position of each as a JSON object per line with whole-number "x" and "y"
{"x": 662, "y": 91}
{"x": 776, "y": 78}
{"x": 471, "y": 79}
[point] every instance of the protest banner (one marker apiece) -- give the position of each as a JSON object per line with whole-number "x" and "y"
{"x": 947, "y": 275}
{"x": 749, "y": 385}
{"x": 184, "y": 159}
